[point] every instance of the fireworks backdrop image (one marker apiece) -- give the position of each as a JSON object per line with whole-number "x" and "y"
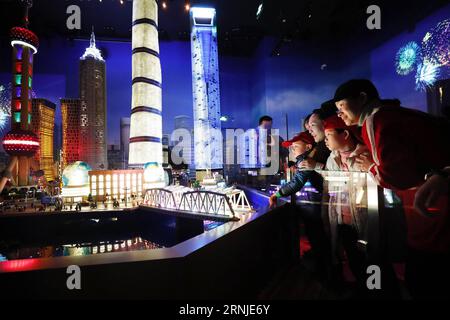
{"x": 430, "y": 59}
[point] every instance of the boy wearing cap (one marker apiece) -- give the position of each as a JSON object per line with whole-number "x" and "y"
{"x": 405, "y": 145}
{"x": 343, "y": 144}
{"x": 301, "y": 147}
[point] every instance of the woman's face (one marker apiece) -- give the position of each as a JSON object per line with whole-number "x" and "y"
{"x": 316, "y": 128}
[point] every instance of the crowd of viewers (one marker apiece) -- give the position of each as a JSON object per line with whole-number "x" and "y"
{"x": 403, "y": 150}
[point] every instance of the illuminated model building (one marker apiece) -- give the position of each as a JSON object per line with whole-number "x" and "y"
{"x": 21, "y": 143}
{"x": 205, "y": 86}
{"x": 42, "y": 124}
{"x": 70, "y": 111}
{"x": 93, "y": 147}
{"x": 75, "y": 182}
{"x": 146, "y": 106}
{"x": 119, "y": 184}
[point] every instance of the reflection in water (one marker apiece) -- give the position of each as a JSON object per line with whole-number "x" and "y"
{"x": 78, "y": 249}
{"x": 83, "y": 237}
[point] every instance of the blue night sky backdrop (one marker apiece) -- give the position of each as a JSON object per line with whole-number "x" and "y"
{"x": 291, "y": 84}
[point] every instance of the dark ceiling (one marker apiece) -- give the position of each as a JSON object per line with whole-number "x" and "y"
{"x": 318, "y": 23}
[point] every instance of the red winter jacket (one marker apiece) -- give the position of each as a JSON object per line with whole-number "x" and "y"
{"x": 405, "y": 145}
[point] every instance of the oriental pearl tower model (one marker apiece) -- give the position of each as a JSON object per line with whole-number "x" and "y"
{"x": 21, "y": 143}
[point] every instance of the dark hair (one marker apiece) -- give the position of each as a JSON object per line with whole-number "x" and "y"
{"x": 324, "y": 113}
{"x": 328, "y": 109}
{"x": 265, "y": 118}
{"x": 316, "y": 111}
{"x": 306, "y": 121}
{"x": 353, "y": 88}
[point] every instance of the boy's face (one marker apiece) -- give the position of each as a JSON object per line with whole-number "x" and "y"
{"x": 316, "y": 128}
{"x": 335, "y": 140}
{"x": 298, "y": 148}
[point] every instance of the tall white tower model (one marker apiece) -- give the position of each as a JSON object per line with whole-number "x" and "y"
{"x": 205, "y": 86}
{"x": 146, "y": 106}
